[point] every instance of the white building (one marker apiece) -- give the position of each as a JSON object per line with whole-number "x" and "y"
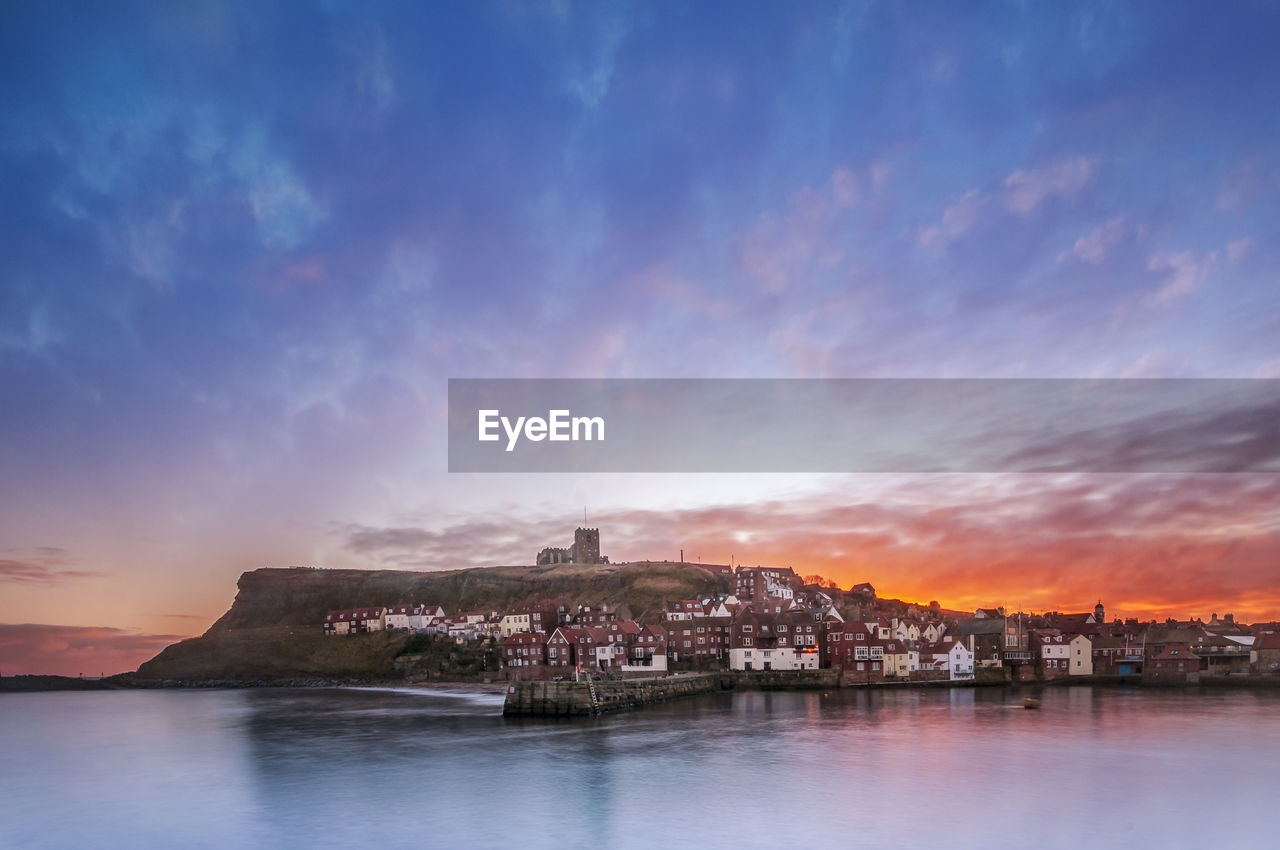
{"x": 960, "y": 661}
{"x": 778, "y": 658}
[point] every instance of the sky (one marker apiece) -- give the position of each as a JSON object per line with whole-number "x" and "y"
{"x": 246, "y": 245}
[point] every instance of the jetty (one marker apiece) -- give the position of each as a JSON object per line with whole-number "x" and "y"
{"x": 594, "y": 695}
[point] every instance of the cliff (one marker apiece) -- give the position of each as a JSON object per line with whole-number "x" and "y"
{"x": 272, "y": 631}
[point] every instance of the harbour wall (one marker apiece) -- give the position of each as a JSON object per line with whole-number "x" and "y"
{"x": 583, "y": 699}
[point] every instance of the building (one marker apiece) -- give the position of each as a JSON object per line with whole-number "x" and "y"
{"x": 685, "y": 609}
{"x": 1116, "y": 656}
{"x": 398, "y": 616}
{"x": 1081, "y": 655}
{"x": 1264, "y": 657}
{"x": 756, "y": 583}
{"x": 764, "y": 640}
{"x": 351, "y": 621}
{"x": 523, "y": 650}
{"x": 585, "y": 550}
{"x": 697, "y": 640}
{"x": 1053, "y": 654}
{"x": 961, "y": 660}
{"x": 423, "y": 615}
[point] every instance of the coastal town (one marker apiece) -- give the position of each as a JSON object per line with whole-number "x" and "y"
{"x": 772, "y": 619}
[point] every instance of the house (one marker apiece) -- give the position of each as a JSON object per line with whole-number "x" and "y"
{"x": 1053, "y": 652}
{"x": 856, "y": 649}
{"x": 905, "y": 630}
{"x": 562, "y": 648}
{"x": 1173, "y": 662}
{"x": 719, "y": 609}
{"x": 863, "y": 589}
{"x": 1221, "y": 656}
{"x": 649, "y": 647}
{"x": 398, "y": 616}
{"x": 1116, "y": 656}
{"x": 543, "y": 615}
{"x": 337, "y": 623}
{"x": 897, "y": 660}
{"x": 355, "y": 621}
{"x": 1081, "y": 656}
{"x": 985, "y": 638}
{"x": 588, "y": 615}
{"x": 703, "y": 639}
{"x": 935, "y": 660}
{"x": 774, "y": 640}
{"x": 421, "y": 617}
{"x": 514, "y": 622}
{"x": 685, "y": 609}
{"x": 525, "y": 649}
{"x": 1264, "y": 657}
{"x": 961, "y": 660}
{"x": 755, "y": 583}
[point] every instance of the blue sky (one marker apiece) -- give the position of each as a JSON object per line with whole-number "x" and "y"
{"x": 247, "y": 244}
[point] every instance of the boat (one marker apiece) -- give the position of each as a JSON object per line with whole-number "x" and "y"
{"x": 1031, "y": 702}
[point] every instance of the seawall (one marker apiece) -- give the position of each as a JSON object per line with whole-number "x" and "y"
{"x": 583, "y": 699}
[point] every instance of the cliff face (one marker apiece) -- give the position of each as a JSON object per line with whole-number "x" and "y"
{"x": 272, "y": 630}
{"x": 300, "y": 596}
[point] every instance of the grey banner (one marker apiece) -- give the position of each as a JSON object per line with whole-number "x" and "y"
{"x": 864, "y": 425}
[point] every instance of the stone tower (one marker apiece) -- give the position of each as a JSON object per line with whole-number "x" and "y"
{"x": 1099, "y": 613}
{"x": 586, "y": 546}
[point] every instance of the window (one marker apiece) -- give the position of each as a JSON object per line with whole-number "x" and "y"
{"x": 746, "y": 628}
{"x": 861, "y": 636}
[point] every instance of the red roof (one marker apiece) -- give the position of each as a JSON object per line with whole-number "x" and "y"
{"x": 1267, "y": 640}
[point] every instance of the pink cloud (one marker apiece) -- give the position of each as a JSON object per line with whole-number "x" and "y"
{"x": 29, "y": 648}
{"x": 957, "y": 219}
{"x": 1182, "y": 274}
{"x": 782, "y": 247}
{"x": 1025, "y": 191}
{"x": 1093, "y": 247}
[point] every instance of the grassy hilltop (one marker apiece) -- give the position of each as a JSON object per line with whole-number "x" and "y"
{"x": 272, "y": 631}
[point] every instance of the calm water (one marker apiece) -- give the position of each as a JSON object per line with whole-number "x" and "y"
{"x": 390, "y": 768}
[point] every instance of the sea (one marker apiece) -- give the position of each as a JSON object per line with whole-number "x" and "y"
{"x": 1098, "y": 767}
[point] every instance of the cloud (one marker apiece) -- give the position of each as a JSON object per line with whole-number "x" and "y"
{"x": 29, "y": 648}
{"x": 1245, "y": 437}
{"x": 782, "y": 248}
{"x": 283, "y": 206}
{"x": 1182, "y": 274}
{"x": 1147, "y": 544}
{"x": 957, "y": 219}
{"x": 1237, "y": 249}
{"x": 1025, "y": 191}
{"x": 1093, "y": 247}
{"x": 43, "y": 568}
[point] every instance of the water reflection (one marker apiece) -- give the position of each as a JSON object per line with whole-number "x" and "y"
{"x": 404, "y": 768}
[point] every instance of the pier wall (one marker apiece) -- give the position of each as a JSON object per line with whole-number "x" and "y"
{"x": 574, "y": 699}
